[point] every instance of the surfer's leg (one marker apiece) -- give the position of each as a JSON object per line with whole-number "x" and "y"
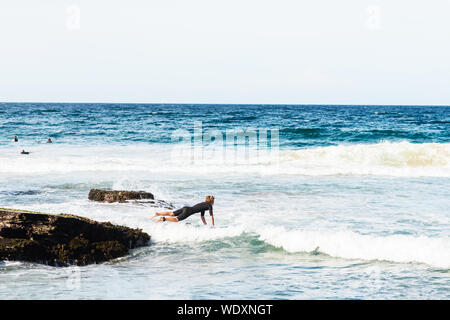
{"x": 171, "y": 219}
{"x": 167, "y": 213}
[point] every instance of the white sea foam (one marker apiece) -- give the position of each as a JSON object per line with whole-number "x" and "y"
{"x": 346, "y": 244}
{"x": 350, "y": 245}
{"x": 386, "y": 158}
{"x": 173, "y": 233}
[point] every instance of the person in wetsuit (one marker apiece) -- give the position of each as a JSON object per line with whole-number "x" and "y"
{"x": 183, "y": 213}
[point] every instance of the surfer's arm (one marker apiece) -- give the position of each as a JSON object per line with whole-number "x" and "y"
{"x": 203, "y": 219}
{"x": 211, "y": 214}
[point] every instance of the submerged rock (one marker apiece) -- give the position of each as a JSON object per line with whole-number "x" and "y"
{"x": 118, "y": 196}
{"x": 63, "y": 239}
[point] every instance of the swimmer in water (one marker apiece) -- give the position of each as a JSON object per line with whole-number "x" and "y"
{"x": 183, "y": 213}
{"x": 49, "y": 140}
{"x": 15, "y": 139}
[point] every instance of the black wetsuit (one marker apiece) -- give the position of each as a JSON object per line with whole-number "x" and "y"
{"x": 185, "y": 212}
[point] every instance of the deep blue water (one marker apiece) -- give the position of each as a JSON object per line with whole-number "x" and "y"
{"x": 300, "y": 125}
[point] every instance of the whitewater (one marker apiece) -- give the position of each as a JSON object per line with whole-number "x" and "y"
{"x": 383, "y": 159}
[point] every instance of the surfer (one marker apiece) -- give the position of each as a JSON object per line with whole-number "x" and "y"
{"x": 15, "y": 139}
{"x": 24, "y": 152}
{"x": 49, "y": 140}
{"x": 183, "y": 213}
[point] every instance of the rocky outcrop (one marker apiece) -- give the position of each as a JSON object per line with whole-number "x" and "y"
{"x": 63, "y": 239}
{"x": 118, "y": 196}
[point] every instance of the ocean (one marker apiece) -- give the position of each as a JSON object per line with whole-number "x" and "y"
{"x": 311, "y": 201}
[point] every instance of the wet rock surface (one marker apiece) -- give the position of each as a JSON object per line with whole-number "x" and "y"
{"x": 118, "y": 196}
{"x": 63, "y": 239}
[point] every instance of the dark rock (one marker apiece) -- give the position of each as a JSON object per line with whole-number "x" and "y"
{"x": 162, "y": 204}
{"x": 118, "y": 196}
{"x": 63, "y": 239}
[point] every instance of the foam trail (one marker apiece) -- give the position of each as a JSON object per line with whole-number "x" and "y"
{"x": 350, "y": 245}
{"x": 181, "y": 233}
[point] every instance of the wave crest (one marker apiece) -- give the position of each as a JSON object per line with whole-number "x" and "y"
{"x": 344, "y": 244}
{"x": 386, "y": 158}
{"x": 350, "y": 245}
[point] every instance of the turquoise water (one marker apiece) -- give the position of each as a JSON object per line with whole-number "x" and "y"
{"x": 337, "y": 202}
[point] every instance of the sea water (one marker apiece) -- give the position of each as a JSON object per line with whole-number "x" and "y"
{"x": 316, "y": 202}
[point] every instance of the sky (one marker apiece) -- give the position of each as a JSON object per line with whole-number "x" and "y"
{"x": 228, "y": 51}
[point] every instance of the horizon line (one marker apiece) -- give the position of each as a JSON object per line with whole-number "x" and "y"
{"x": 235, "y": 104}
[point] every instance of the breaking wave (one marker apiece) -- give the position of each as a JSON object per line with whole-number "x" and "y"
{"x": 350, "y": 245}
{"x": 385, "y": 158}
{"x": 344, "y": 244}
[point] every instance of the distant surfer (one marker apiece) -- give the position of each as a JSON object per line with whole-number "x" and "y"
{"x": 183, "y": 213}
{"x": 15, "y": 139}
{"x": 24, "y": 152}
{"x": 49, "y": 140}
